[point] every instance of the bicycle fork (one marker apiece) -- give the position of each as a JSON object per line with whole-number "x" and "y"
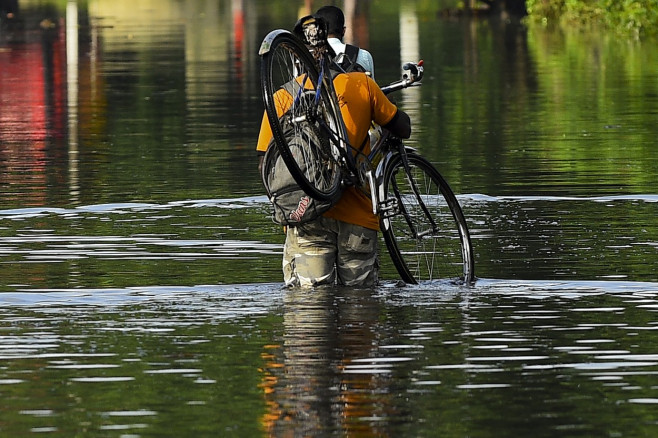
{"x": 392, "y": 206}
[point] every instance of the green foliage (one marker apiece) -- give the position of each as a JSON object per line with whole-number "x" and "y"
{"x": 545, "y": 10}
{"x": 632, "y": 17}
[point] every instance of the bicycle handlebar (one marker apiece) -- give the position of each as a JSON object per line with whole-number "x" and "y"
{"x": 410, "y": 79}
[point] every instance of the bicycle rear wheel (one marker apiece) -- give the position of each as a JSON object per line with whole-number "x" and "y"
{"x": 301, "y": 117}
{"x": 430, "y": 242}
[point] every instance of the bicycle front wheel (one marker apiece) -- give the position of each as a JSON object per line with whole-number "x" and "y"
{"x": 301, "y": 117}
{"x": 424, "y": 228}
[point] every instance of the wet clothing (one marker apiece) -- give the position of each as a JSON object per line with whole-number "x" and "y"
{"x": 339, "y": 247}
{"x": 328, "y": 251}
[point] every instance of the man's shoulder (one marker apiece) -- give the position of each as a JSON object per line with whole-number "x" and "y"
{"x": 366, "y": 55}
{"x": 336, "y": 44}
{"x": 361, "y": 49}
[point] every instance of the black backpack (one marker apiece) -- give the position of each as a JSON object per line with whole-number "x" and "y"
{"x": 348, "y": 61}
{"x": 292, "y": 206}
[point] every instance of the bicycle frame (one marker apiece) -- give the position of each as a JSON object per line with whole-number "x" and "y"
{"x": 386, "y": 208}
{"x": 408, "y": 194}
{"x": 338, "y": 137}
{"x": 380, "y": 205}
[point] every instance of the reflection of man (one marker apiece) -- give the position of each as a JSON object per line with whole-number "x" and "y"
{"x": 309, "y": 389}
{"x": 341, "y": 245}
{"x": 336, "y": 28}
{"x": 298, "y": 382}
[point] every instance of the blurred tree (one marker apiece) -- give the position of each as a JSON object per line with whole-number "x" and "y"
{"x": 635, "y": 17}
{"x": 513, "y": 7}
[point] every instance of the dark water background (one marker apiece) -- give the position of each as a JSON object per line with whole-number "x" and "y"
{"x": 140, "y": 285}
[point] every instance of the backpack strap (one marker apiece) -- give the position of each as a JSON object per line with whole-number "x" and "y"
{"x": 352, "y": 52}
{"x": 350, "y": 56}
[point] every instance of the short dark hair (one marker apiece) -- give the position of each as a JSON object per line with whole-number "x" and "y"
{"x": 334, "y": 18}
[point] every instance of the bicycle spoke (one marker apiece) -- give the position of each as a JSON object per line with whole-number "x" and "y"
{"x": 424, "y": 236}
{"x": 295, "y": 106}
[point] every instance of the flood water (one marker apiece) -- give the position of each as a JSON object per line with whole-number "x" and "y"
{"x": 140, "y": 286}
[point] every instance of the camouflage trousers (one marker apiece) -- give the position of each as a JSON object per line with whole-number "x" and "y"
{"x": 327, "y": 251}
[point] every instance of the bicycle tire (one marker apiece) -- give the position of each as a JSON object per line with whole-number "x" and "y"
{"x": 442, "y": 254}
{"x": 314, "y": 165}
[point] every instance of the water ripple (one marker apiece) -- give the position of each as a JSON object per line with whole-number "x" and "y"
{"x": 132, "y": 207}
{"x": 478, "y": 197}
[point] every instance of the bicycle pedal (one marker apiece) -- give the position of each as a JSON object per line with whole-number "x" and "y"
{"x": 388, "y": 208}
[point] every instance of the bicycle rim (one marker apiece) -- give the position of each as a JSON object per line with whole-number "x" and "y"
{"x": 419, "y": 250}
{"x": 313, "y": 164}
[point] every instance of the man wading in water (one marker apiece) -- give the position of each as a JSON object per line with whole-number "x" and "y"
{"x": 340, "y": 246}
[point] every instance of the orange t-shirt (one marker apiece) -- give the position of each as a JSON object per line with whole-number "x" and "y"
{"x": 361, "y": 102}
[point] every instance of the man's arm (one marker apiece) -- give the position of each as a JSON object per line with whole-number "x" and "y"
{"x": 400, "y": 125}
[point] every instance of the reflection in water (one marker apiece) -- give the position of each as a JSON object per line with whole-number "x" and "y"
{"x": 533, "y": 358}
{"x": 298, "y": 384}
{"x": 226, "y": 241}
{"x": 80, "y": 121}
{"x": 325, "y": 376}
{"x": 167, "y": 102}
{"x": 410, "y": 52}
{"x": 72, "y": 53}
{"x": 131, "y": 193}
{"x": 32, "y": 107}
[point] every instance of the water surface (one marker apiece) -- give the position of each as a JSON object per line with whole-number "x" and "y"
{"x": 141, "y": 291}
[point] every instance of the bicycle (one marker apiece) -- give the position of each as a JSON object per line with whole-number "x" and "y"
{"x": 421, "y": 220}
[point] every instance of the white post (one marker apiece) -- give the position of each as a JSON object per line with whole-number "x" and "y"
{"x": 72, "y": 96}
{"x": 409, "y": 52}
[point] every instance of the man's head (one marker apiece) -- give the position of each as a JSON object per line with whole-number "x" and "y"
{"x": 335, "y": 20}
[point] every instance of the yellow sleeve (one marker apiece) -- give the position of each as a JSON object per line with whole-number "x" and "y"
{"x": 265, "y": 134}
{"x": 383, "y": 110}
{"x": 283, "y": 101}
